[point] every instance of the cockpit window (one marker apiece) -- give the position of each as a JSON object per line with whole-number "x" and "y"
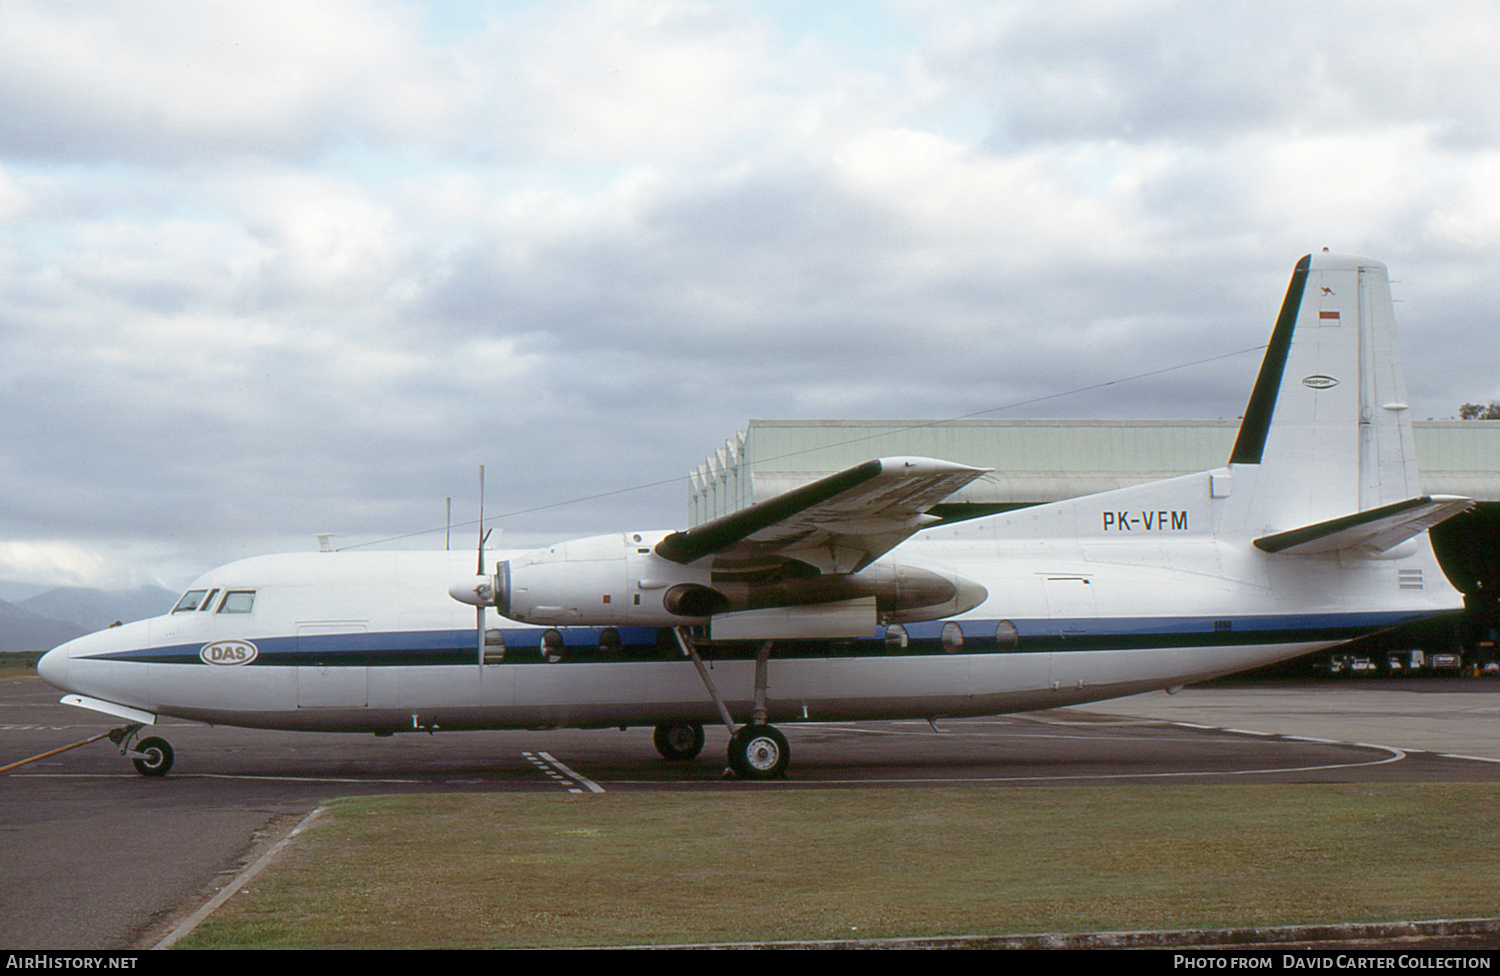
{"x": 190, "y": 601}
{"x": 238, "y": 601}
{"x": 209, "y": 601}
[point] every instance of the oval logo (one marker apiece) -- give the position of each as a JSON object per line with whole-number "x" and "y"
{"x": 228, "y": 653}
{"x": 1319, "y": 382}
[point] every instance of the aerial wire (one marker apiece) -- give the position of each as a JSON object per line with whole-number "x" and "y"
{"x": 852, "y": 440}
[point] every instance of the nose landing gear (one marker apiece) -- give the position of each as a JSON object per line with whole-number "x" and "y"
{"x": 155, "y": 757}
{"x": 152, "y": 756}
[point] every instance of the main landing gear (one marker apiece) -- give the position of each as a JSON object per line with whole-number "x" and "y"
{"x": 759, "y": 751}
{"x": 756, "y": 750}
{"x": 679, "y": 741}
{"x": 152, "y": 756}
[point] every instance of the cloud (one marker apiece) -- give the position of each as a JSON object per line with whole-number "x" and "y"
{"x": 275, "y": 270}
{"x": 59, "y": 563}
{"x": 617, "y": 81}
{"x": 172, "y": 82}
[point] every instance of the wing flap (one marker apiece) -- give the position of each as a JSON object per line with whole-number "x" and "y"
{"x": 838, "y": 524}
{"x": 1376, "y": 530}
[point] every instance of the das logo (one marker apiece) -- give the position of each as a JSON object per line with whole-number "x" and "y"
{"x": 228, "y": 653}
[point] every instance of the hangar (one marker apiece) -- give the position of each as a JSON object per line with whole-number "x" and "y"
{"x": 1039, "y": 461}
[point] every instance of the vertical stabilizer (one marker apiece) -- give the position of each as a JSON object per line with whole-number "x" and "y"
{"x": 1327, "y": 431}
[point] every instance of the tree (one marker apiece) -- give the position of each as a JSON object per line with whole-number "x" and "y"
{"x": 1474, "y": 411}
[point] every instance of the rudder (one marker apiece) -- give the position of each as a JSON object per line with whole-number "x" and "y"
{"x": 1327, "y": 431}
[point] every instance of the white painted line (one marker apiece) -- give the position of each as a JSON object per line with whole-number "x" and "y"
{"x": 583, "y": 781}
{"x": 1393, "y": 755}
{"x": 231, "y": 776}
{"x": 1454, "y": 755}
{"x": 196, "y": 919}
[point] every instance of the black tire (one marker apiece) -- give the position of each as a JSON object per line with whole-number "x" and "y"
{"x": 157, "y": 759}
{"x": 759, "y": 752}
{"x": 679, "y": 741}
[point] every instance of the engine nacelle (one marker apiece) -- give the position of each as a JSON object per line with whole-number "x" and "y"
{"x": 619, "y": 580}
{"x": 605, "y": 580}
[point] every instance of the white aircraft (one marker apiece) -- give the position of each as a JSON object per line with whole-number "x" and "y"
{"x": 841, "y": 600}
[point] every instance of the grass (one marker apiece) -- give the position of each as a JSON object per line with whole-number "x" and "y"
{"x": 467, "y": 870}
{"x": 19, "y": 666}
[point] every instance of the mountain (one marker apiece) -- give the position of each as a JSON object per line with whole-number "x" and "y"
{"x": 43, "y": 621}
{"x": 23, "y": 630}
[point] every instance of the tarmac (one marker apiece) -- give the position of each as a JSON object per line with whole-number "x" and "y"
{"x": 97, "y": 857}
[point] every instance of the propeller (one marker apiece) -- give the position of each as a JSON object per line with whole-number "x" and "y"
{"x": 479, "y": 607}
{"x": 481, "y": 590}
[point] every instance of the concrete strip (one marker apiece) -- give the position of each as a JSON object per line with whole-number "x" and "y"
{"x": 1264, "y": 937}
{"x": 196, "y": 919}
{"x": 1450, "y": 716}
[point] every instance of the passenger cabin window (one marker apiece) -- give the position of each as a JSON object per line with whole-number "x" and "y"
{"x": 190, "y": 601}
{"x": 238, "y": 601}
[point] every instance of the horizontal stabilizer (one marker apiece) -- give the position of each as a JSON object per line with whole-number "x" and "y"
{"x": 1376, "y": 530}
{"x": 838, "y": 524}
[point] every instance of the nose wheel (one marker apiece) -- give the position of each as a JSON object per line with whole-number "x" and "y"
{"x": 152, "y": 756}
{"x": 759, "y": 751}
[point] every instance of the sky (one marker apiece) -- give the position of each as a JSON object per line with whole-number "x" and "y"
{"x": 276, "y": 269}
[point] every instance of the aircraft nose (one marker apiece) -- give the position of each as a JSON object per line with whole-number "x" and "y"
{"x": 53, "y": 667}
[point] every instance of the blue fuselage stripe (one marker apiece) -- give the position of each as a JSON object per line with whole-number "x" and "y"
{"x": 602, "y": 644}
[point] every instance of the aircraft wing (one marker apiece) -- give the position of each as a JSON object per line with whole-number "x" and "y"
{"x": 837, "y": 524}
{"x": 1376, "y": 530}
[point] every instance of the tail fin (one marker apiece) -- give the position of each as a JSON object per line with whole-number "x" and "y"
{"x": 1327, "y": 431}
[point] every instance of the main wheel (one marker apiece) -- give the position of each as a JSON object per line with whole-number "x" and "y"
{"x": 679, "y": 740}
{"x": 759, "y": 752}
{"x": 157, "y": 759}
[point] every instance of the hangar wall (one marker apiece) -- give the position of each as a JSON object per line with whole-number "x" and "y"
{"x": 1039, "y": 461}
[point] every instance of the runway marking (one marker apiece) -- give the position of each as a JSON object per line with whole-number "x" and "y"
{"x": 588, "y": 784}
{"x": 1393, "y": 755}
{"x": 549, "y": 766}
{"x": 194, "y": 920}
{"x": 274, "y": 779}
{"x": 294, "y": 779}
{"x": 1080, "y": 777}
{"x": 1454, "y": 755}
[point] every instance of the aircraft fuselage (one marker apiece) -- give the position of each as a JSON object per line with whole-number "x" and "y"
{"x": 370, "y": 642}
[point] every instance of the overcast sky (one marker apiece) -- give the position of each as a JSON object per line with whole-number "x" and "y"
{"x": 271, "y": 269}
